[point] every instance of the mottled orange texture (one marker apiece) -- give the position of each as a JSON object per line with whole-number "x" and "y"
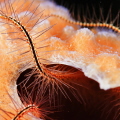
{"x": 95, "y": 52}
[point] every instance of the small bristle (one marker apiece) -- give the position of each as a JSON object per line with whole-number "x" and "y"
{"x": 57, "y": 59}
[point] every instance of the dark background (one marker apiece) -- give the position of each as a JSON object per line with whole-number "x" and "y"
{"x": 90, "y": 11}
{"x": 86, "y": 8}
{"x": 82, "y": 10}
